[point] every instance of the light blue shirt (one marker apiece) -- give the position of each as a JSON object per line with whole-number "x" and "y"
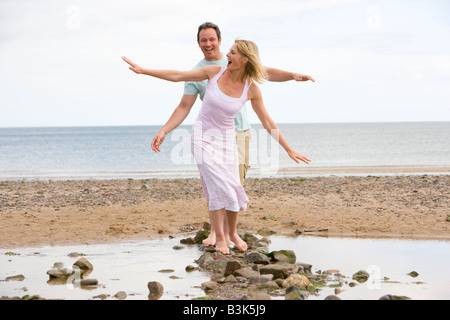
{"x": 241, "y": 122}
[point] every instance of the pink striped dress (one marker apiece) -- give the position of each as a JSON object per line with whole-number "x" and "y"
{"x": 214, "y": 148}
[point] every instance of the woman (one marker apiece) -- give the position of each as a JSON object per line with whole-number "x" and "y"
{"x": 213, "y": 138}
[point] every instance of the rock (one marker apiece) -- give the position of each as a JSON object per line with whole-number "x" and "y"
{"x": 392, "y": 297}
{"x": 413, "y": 274}
{"x": 304, "y": 268}
{"x": 284, "y": 256}
{"x": 177, "y": 247}
{"x": 156, "y": 290}
{"x": 120, "y": 295}
{"x": 265, "y": 231}
{"x": 230, "y": 279}
{"x": 19, "y": 277}
{"x": 361, "y": 276}
{"x": 102, "y": 296}
{"x": 166, "y": 271}
{"x": 205, "y": 259}
{"x": 190, "y": 268}
{"x": 246, "y": 273}
{"x": 278, "y": 271}
{"x": 231, "y": 267}
{"x": 249, "y": 238}
{"x": 294, "y": 295}
{"x": 200, "y": 236}
{"x": 332, "y": 297}
{"x": 85, "y": 282}
{"x": 64, "y": 273}
{"x": 187, "y": 241}
{"x": 256, "y": 296}
{"x": 84, "y": 265}
{"x": 209, "y": 285}
{"x": 256, "y": 257}
{"x": 297, "y": 280}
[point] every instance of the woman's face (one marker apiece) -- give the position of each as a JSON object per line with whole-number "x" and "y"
{"x": 235, "y": 58}
{"x": 209, "y": 44}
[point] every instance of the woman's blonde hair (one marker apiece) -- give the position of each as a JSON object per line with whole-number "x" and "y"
{"x": 253, "y": 69}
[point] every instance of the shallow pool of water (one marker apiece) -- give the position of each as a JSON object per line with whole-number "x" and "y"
{"x": 130, "y": 266}
{"x": 390, "y": 258}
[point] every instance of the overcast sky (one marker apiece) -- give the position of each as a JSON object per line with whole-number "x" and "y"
{"x": 60, "y": 61}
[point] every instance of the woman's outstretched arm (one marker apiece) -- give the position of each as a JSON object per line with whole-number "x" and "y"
{"x": 176, "y": 75}
{"x": 258, "y": 106}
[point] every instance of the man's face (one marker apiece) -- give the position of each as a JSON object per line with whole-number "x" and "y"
{"x": 209, "y": 44}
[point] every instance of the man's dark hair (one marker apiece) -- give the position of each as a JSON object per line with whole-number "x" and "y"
{"x": 208, "y": 25}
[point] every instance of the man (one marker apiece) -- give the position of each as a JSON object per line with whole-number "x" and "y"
{"x": 209, "y": 40}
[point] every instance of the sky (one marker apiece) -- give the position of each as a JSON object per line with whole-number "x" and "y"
{"x": 373, "y": 61}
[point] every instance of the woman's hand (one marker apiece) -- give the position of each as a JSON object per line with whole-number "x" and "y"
{"x": 300, "y": 77}
{"x": 133, "y": 66}
{"x": 157, "y": 141}
{"x": 297, "y": 156}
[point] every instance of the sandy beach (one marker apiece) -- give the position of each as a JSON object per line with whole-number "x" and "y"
{"x": 34, "y": 213}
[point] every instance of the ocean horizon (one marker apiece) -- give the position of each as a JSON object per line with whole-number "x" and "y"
{"x": 123, "y": 152}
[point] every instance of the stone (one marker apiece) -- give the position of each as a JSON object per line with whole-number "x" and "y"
{"x": 361, "y": 276}
{"x": 231, "y": 267}
{"x": 209, "y": 285}
{"x": 393, "y": 297}
{"x": 294, "y": 295}
{"x": 187, "y": 241}
{"x": 304, "y": 268}
{"x": 84, "y": 265}
{"x": 19, "y": 277}
{"x": 332, "y": 297}
{"x": 413, "y": 274}
{"x": 156, "y": 290}
{"x": 278, "y": 271}
{"x": 64, "y": 273}
{"x": 246, "y": 273}
{"x": 200, "y": 236}
{"x": 85, "y": 282}
{"x": 297, "y": 280}
{"x": 256, "y": 257}
{"x": 285, "y": 256}
{"x": 189, "y": 268}
{"x": 121, "y": 295}
{"x": 256, "y": 296}
{"x": 230, "y": 279}
{"x": 205, "y": 259}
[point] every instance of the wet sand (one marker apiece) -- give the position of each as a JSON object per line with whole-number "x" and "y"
{"x": 34, "y": 213}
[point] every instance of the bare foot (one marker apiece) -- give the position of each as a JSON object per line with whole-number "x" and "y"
{"x": 222, "y": 247}
{"x": 210, "y": 241}
{"x": 238, "y": 242}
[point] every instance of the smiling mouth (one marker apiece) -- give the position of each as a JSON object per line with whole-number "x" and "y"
{"x": 209, "y": 50}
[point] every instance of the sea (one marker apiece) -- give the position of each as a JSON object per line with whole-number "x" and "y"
{"x": 124, "y": 152}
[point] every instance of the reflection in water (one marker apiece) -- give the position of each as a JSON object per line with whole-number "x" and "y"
{"x": 129, "y": 267}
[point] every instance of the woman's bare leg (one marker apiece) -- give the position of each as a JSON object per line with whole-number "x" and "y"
{"x": 217, "y": 220}
{"x": 232, "y": 224}
{"x": 211, "y": 239}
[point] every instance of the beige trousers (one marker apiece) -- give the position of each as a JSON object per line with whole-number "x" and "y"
{"x": 243, "y": 146}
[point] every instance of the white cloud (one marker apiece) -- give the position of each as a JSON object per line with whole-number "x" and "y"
{"x": 65, "y": 55}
